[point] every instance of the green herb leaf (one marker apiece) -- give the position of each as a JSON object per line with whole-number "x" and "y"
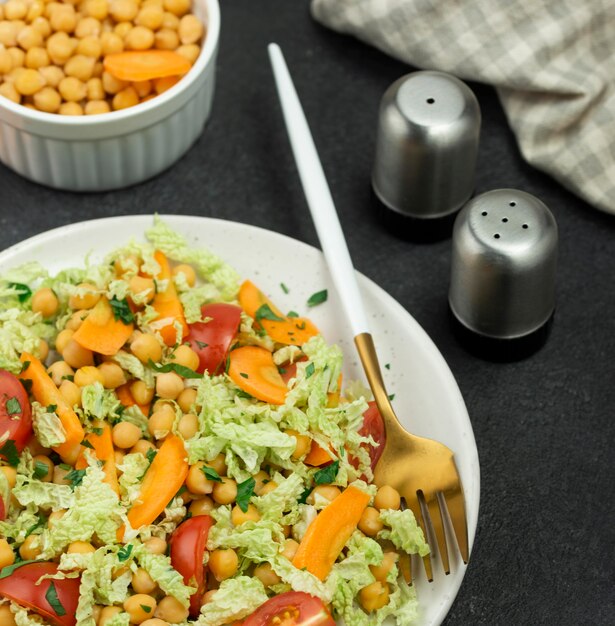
{"x": 51, "y": 408}
{"x": 123, "y": 554}
{"x": 150, "y": 455}
{"x": 264, "y": 312}
{"x": 300, "y": 326}
{"x": 12, "y": 406}
{"x": 211, "y": 474}
{"x": 281, "y": 370}
{"x": 244, "y": 394}
{"x": 86, "y": 444}
{"x": 40, "y": 523}
{"x": 75, "y": 477}
{"x": 23, "y": 291}
{"x": 24, "y": 367}
{"x": 392, "y": 397}
{"x": 201, "y": 344}
{"x": 10, "y": 453}
{"x": 182, "y": 370}
{"x": 70, "y": 377}
{"x": 245, "y": 490}
{"x": 309, "y": 370}
{"x": 304, "y": 496}
{"x": 9, "y": 569}
{"x": 327, "y": 475}
{"x": 284, "y": 288}
{"x": 388, "y": 366}
{"x": 54, "y": 602}
{"x": 121, "y": 310}
{"x": 98, "y": 431}
{"x": 244, "y": 375}
{"x": 40, "y": 469}
{"x": 27, "y": 384}
{"x": 317, "y": 298}
{"x": 146, "y": 608}
{"x": 292, "y": 314}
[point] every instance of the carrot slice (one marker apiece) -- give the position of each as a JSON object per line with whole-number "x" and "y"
{"x": 45, "y": 391}
{"x": 329, "y": 531}
{"x": 101, "y": 332}
{"x": 125, "y": 397}
{"x": 146, "y": 64}
{"x": 103, "y": 448}
{"x": 251, "y": 298}
{"x": 252, "y": 369}
{"x": 168, "y": 304}
{"x": 162, "y": 481}
{"x": 317, "y": 456}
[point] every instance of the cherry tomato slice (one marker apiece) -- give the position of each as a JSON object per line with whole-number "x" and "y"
{"x": 373, "y": 425}
{"x": 21, "y": 587}
{"x": 293, "y": 608}
{"x": 188, "y": 545}
{"x": 15, "y": 411}
{"x": 2, "y": 509}
{"x": 212, "y": 340}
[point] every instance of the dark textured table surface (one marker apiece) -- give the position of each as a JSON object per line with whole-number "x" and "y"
{"x": 544, "y": 427}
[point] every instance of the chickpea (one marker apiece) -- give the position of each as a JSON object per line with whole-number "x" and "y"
{"x": 90, "y": 47}
{"x": 81, "y": 68}
{"x": 80, "y": 547}
{"x": 225, "y": 492}
{"x": 125, "y": 435}
{"x": 37, "y": 58}
{"x": 155, "y": 545}
{"x": 387, "y": 498}
{"x": 40, "y": 460}
{"x": 74, "y": 354}
{"x": 124, "y": 99}
{"x": 166, "y": 39}
{"x": 87, "y": 297}
{"x": 146, "y": 347}
{"x": 18, "y": 57}
{"x": 169, "y": 385}
{"x": 59, "y": 48}
{"x": 88, "y": 27}
{"x": 111, "y": 43}
{"x": 160, "y": 424}
{"x": 15, "y": 10}
{"x": 329, "y": 492}
{"x": 95, "y": 107}
{"x": 7, "y": 556}
{"x": 59, "y": 478}
{"x": 138, "y": 284}
{"x": 6, "y": 616}
{"x": 8, "y": 91}
{"x": 30, "y": 549}
{"x": 150, "y": 16}
{"x": 170, "y": 21}
{"x": 177, "y": 7}
{"x": 202, "y": 506}
{"x": 142, "y": 582}
{"x": 187, "y": 271}
{"x": 122, "y": 29}
{"x": 47, "y": 100}
{"x": 43, "y": 349}
{"x": 154, "y": 621}
{"x": 136, "y": 606}
{"x": 123, "y": 10}
{"x": 219, "y": 464}
{"x": 190, "y": 52}
{"x": 99, "y": 68}
{"x": 190, "y": 29}
{"x": 171, "y": 610}
{"x": 139, "y": 38}
{"x": 187, "y": 399}
{"x": 188, "y": 425}
{"x": 223, "y": 564}
{"x": 370, "y": 523}
{"x": 268, "y": 488}
{"x": 238, "y": 517}
{"x": 35, "y": 10}
{"x": 98, "y": 9}
{"x": 41, "y": 24}
{"x": 63, "y": 18}
{"x": 29, "y": 38}
{"x": 70, "y": 108}
{"x": 119, "y": 459}
{"x": 303, "y": 445}
{"x": 17, "y": 71}
{"x": 107, "y": 613}
{"x": 196, "y": 481}
{"x": 8, "y": 33}
{"x": 142, "y": 447}
{"x": 59, "y": 371}
{"x": 70, "y": 392}
{"x": 164, "y": 84}
{"x": 52, "y": 75}
{"x": 45, "y": 302}
{"x": 29, "y": 82}
{"x": 381, "y": 571}
{"x": 64, "y": 336}
{"x": 10, "y": 473}
{"x": 290, "y": 549}
{"x": 374, "y": 596}
{"x": 6, "y": 61}
{"x": 141, "y": 393}
{"x": 264, "y": 572}
{"x": 112, "y": 375}
{"x": 261, "y": 478}
{"x": 88, "y": 375}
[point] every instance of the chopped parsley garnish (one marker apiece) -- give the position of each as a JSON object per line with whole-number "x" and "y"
{"x": 27, "y": 384}
{"x": 66, "y": 467}
{"x": 317, "y": 298}
{"x": 98, "y": 431}
{"x": 201, "y": 344}
{"x": 284, "y": 288}
{"x": 54, "y": 602}
{"x": 70, "y": 377}
{"x": 9, "y": 569}
{"x": 39, "y": 524}
{"x": 86, "y": 444}
{"x": 244, "y": 375}
{"x": 150, "y": 455}
{"x": 327, "y": 475}
{"x": 244, "y": 394}
{"x": 309, "y": 370}
{"x": 24, "y": 367}
{"x": 392, "y": 397}
{"x": 146, "y": 608}
{"x": 281, "y": 370}
{"x": 304, "y": 496}
{"x": 75, "y": 477}
{"x": 51, "y": 408}
{"x": 387, "y": 365}
{"x": 264, "y": 312}
{"x": 300, "y": 326}
{"x": 12, "y": 406}
{"x": 121, "y": 310}
{"x": 292, "y": 314}
{"x": 123, "y": 554}
{"x": 211, "y": 474}
{"x": 10, "y": 453}
{"x": 40, "y": 469}
{"x": 23, "y": 291}
{"x": 182, "y": 370}
{"x": 245, "y": 490}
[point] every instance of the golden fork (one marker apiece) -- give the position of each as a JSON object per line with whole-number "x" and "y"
{"x": 422, "y": 470}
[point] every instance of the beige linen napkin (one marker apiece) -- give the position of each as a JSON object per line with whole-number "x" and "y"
{"x": 551, "y": 61}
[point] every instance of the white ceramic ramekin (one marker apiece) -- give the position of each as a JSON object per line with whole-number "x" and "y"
{"x": 113, "y": 150}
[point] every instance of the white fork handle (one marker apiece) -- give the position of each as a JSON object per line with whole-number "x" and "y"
{"x": 318, "y": 196}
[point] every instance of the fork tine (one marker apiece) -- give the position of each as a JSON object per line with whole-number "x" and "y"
{"x": 415, "y": 507}
{"x": 405, "y": 567}
{"x": 457, "y": 512}
{"x": 436, "y": 517}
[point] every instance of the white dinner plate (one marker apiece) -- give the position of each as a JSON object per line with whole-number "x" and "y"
{"x": 427, "y": 398}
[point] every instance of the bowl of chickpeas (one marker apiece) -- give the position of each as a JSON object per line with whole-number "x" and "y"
{"x": 102, "y": 94}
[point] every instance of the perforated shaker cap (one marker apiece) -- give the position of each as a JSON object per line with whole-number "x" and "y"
{"x": 426, "y": 147}
{"x": 503, "y": 265}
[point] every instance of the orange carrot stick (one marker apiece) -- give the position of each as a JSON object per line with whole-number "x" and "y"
{"x": 162, "y": 481}
{"x": 252, "y": 369}
{"x": 328, "y": 533}
{"x": 317, "y": 456}
{"x": 45, "y": 391}
{"x": 101, "y": 332}
{"x": 145, "y": 65}
{"x": 168, "y": 304}
{"x": 103, "y": 449}
{"x": 126, "y": 398}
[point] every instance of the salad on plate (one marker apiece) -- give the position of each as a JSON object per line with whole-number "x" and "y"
{"x": 174, "y": 449}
